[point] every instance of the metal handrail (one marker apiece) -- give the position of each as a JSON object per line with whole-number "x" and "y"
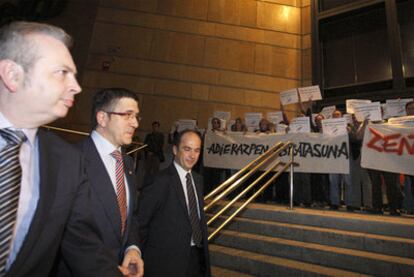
{"x": 140, "y": 144}
{"x": 257, "y": 193}
{"x": 265, "y": 157}
{"x": 241, "y": 171}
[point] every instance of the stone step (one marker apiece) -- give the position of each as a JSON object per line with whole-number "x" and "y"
{"x": 334, "y": 257}
{"x": 217, "y": 271}
{"x": 326, "y": 236}
{"x": 401, "y": 227}
{"x": 264, "y": 265}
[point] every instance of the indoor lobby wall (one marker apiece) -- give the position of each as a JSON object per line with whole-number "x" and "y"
{"x": 189, "y": 58}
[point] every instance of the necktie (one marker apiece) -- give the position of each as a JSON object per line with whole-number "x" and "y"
{"x": 10, "y": 179}
{"x": 192, "y": 210}
{"x": 120, "y": 187}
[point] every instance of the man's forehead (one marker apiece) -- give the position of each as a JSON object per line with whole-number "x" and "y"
{"x": 190, "y": 140}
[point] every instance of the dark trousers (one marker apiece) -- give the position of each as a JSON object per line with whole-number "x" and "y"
{"x": 196, "y": 265}
{"x": 393, "y": 189}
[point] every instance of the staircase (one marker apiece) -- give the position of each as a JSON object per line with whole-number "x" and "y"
{"x": 270, "y": 240}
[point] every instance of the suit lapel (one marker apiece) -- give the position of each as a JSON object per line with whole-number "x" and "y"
{"x": 102, "y": 185}
{"x": 130, "y": 178}
{"x": 49, "y": 164}
{"x": 176, "y": 183}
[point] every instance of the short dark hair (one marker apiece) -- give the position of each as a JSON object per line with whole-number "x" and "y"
{"x": 107, "y": 98}
{"x": 16, "y": 45}
{"x": 156, "y": 123}
{"x": 177, "y": 139}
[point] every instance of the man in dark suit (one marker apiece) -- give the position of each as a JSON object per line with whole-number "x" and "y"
{"x": 114, "y": 119}
{"x": 172, "y": 224}
{"x": 45, "y": 205}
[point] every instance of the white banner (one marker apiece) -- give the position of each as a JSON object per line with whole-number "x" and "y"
{"x": 315, "y": 153}
{"x": 389, "y": 147}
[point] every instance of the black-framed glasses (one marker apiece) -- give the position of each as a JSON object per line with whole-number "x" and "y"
{"x": 127, "y": 115}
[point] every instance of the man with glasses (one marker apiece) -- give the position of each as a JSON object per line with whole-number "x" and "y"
{"x": 115, "y": 116}
{"x": 44, "y": 199}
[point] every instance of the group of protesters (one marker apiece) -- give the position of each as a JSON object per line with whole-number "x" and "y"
{"x": 360, "y": 190}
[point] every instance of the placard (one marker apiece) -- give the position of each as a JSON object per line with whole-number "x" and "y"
{"x": 396, "y": 107}
{"x": 275, "y": 117}
{"x": 184, "y": 124}
{"x": 350, "y": 103}
{"x": 252, "y": 120}
{"x": 289, "y": 97}
{"x": 372, "y": 111}
{"x": 334, "y": 126}
{"x": 328, "y": 111}
{"x": 310, "y": 93}
{"x": 300, "y": 125}
{"x": 222, "y": 115}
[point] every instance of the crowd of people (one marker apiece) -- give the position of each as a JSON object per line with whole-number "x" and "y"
{"x": 72, "y": 210}
{"x": 75, "y": 210}
{"x": 361, "y": 189}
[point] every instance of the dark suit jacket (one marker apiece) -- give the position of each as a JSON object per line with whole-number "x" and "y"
{"x": 63, "y": 218}
{"x": 164, "y": 225}
{"x": 105, "y": 205}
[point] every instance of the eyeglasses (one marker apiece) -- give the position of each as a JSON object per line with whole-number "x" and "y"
{"x": 127, "y": 115}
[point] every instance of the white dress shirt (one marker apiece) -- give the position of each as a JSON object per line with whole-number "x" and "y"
{"x": 105, "y": 148}
{"x": 182, "y": 174}
{"x": 29, "y": 188}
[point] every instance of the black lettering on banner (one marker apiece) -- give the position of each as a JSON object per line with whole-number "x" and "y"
{"x": 303, "y": 149}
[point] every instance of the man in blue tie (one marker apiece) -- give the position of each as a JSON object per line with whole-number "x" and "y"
{"x": 44, "y": 189}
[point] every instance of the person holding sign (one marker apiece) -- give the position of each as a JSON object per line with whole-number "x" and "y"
{"x": 352, "y": 189}
{"x": 391, "y": 182}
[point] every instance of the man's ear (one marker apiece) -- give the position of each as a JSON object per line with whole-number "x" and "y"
{"x": 175, "y": 150}
{"x": 101, "y": 118}
{"x": 11, "y": 74}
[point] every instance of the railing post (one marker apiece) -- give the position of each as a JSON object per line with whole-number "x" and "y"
{"x": 291, "y": 177}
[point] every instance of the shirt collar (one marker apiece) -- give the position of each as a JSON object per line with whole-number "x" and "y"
{"x": 102, "y": 144}
{"x": 181, "y": 171}
{"x": 29, "y": 132}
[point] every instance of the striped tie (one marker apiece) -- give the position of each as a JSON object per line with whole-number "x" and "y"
{"x": 10, "y": 178}
{"x": 193, "y": 211}
{"x": 120, "y": 187}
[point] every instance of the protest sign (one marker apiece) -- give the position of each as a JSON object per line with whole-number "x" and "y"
{"x": 184, "y": 124}
{"x": 275, "y": 117}
{"x": 350, "y": 103}
{"x": 289, "y": 97}
{"x": 252, "y": 120}
{"x": 396, "y": 107}
{"x": 328, "y": 111}
{"x": 300, "y": 125}
{"x": 315, "y": 153}
{"x": 372, "y": 111}
{"x": 310, "y": 93}
{"x": 222, "y": 115}
{"x": 389, "y": 148}
{"x": 334, "y": 126}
